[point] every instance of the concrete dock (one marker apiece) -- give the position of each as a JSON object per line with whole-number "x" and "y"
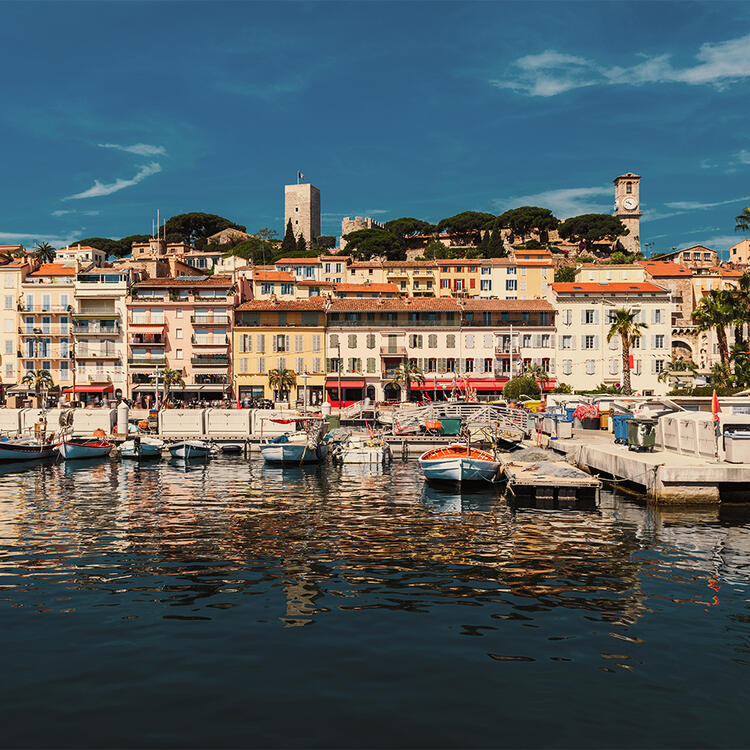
{"x": 666, "y": 477}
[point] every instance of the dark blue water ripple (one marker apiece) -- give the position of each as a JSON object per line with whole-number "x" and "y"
{"x": 238, "y": 605}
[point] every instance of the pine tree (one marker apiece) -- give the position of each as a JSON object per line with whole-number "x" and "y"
{"x": 496, "y": 246}
{"x": 289, "y": 245}
{"x": 484, "y": 244}
{"x": 301, "y": 244}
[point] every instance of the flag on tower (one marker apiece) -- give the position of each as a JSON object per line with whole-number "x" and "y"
{"x": 300, "y": 176}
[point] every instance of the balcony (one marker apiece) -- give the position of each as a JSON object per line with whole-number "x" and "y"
{"x": 48, "y": 330}
{"x": 151, "y": 339}
{"x": 104, "y": 314}
{"x": 209, "y": 340}
{"x": 22, "y": 307}
{"x": 96, "y": 330}
{"x": 107, "y": 352}
{"x": 147, "y": 361}
{"x": 392, "y": 351}
{"x": 154, "y": 322}
{"x": 210, "y": 360}
{"x": 210, "y": 320}
{"x": 55, "y": 353}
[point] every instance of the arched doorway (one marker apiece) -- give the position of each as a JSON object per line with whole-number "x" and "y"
{"x": 681, "y": 350}
{"x": 392, "y": 392}
{"x": 370, "y": 393}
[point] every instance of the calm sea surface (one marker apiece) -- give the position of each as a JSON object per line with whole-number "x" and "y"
{"x": 235, "y": 604}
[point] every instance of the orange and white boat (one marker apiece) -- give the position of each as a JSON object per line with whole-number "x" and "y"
{"x": 459, "y": 463}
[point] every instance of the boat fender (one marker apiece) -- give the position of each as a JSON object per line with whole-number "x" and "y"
{"x": 318, "y": 452}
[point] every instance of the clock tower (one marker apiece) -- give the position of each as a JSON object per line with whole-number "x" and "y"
{"x": 628, "y": 209}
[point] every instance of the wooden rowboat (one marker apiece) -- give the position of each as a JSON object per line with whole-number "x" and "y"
{"x": 459, "y": 463}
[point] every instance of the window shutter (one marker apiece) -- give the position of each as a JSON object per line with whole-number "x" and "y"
{"x": 583, "y": 342}
{"x": 536, "y": 341}
{"x": 583, "y": 315}
{"x": 273, "y": 343}
{"x": 596, "y": 342}
{"x": 441, "y": 364}
{"x": 371, "y": 364}
{"x": 613, "y": 343}
{"x": 287, "y": 347}
{"x": 488, "y": 341}
{"x": 653, "y": 366}
{"x": 596, "y": 316}
{"x": 261, "y": 343}
{"x": 613, "y": 366}
{"x": 420, "y": 364}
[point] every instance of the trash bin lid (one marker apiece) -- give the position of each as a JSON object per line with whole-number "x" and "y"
{"x": 742, "y": 434}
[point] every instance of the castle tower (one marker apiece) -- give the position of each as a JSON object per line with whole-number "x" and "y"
{"x": 302, "y": 206}
{"x": 628, "y": 209}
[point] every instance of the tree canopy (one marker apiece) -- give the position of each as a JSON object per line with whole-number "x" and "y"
{"x": 467, "y": 223}
{"x": 522, "y": 220}
{"x": 408, "y": 227}
{"x": 196, "y": 226}
{"x": 565, "y": 274}
{"x": 289, "y": 243}
{"x": 324, "y": 242}
{"x": 366, "y": 243}
{"x": 592, "y": 228}
{"x": 117, "y": 248}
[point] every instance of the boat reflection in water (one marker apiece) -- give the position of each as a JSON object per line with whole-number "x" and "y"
{"x": 464, "y": 499}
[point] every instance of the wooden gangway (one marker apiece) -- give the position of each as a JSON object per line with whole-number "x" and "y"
{"x": 469, "y": 413}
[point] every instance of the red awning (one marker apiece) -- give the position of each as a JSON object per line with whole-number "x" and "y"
{"x": 90, "y": 389}
{"x": 460, "y": 385}
{"x": 334, "y": 383}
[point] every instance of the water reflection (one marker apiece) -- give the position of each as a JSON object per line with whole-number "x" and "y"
{"x": 360, "y": 556}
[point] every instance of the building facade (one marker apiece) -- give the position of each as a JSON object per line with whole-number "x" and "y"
{"x": 628, "y": 209}
{"x": 302, "y": 208}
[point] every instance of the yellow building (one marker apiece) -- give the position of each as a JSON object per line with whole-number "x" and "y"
{"x": 284, "y": 335}
{"x": 605, "y": 272}
{"x": 12, "y": 274}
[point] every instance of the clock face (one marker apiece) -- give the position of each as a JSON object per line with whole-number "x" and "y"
{"x": 629, "y": 203}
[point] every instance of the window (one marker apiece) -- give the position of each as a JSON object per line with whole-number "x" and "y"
{"x": 261, "y": 365}
{"x": 469, "y": 341}
{"x": 486, "y": 318}
{"x": 545, "y": 341}
{"x": 415, "y": 340}
{"x": 590, "y": 367}
{"x": 432, "y": 341}
{"x": 511, "y": 270}
{"x": 450, "y": 341}
{"x": 567, "y": 317}
{"x": 9, "y": 346}
{"x": 64, "y": 370}
{"x": 589, "y": 316}
{"x": 511, "y": 285}
{"x": 317, "y": 364}
{"x": 469, "y": 365}
{"x": 656, "y": 316}
{"x": 8, "y": 302}
{"x": 8, "y": 281}
{"x": 178, "y": 333}
{"x": 298, "y": 343}
{"x": 567, "y": 366}
{"x": 589, "y": 342}
{"x": 333, "y": 341}
{"x": 445, "y": 283}
{"x": 488, "y": 364}
{"x": 287, "y": 288}
{"x": 178, "y": 353}
{"x": 266, "y": 288}
{"x": 280, "y": 342}
{"x": 658, "y": 365}
{"x": 260, "y": 342}
{"x": 371, "y": 364}
{"x": 658, "y": 343}
{"x": 613, "y": 366}
{"x": 485, "y": 285}
{"x": 178, "y": 312}
{"x": 9, "y": 369}
{"x": 316, "y": 342}
{"x": 352, "y": 341}
{"x": 450, "y": 364}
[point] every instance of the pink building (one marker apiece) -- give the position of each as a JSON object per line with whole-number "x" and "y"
{"x": 183, "y": 324}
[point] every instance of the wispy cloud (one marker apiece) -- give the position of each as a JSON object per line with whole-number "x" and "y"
{"x": 720, "y": 242}
{"x": 26, "y": 237}
{"x": 64, "y": 212}
{"x": 743, "y": 156}
{"x": 563, "y": 202}
{"x": 551, "y": 72}
{"x": 140, "y": 149}
{"x": 700, "y": 205}
{"x": 99, "y": 189}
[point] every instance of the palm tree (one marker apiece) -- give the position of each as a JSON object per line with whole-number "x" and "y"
{"x": 282, "y": 380}
{"x": 625, "y": 326}
{"x": 40, "y": 379}
{"x": 741, "y": 304}
{"x": 407, "y": 374}
{"x": 716, "y": 311}
{"x": 539, "y": 374}
{"x": 171, "y": 378}
{"x": 743, "y": 220}
{"x": 44, "y": 252}
{"x": 676, "y": 368}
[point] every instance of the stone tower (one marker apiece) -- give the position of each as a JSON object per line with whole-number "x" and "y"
{"x": 628, "y": 209}
{"x": 302, "y": 206}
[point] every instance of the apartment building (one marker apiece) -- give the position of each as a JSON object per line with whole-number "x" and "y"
{"x": 12, "y": 274}
{"x": 99, "y": 333}
{"x": 45, "y": 309}
{"x": 457, "y": 344}
{"x": 611, "y": 272}
{"x": 583, "y": 315}
{"x": 284, "y": 335}
{"x": 184, "y": 324}
{"x": 80, "y": 256}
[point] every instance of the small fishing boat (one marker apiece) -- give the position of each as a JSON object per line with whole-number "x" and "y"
{"x": 141, "y": 447}
{"x": 305, "y": 445}
{"x": 78, "y": 449}
{"x": 232, "y": 448}
{"x": 363, "y": 448}
{"x": 25, "y": 450}
{"x": 188, "y": 449}
{"x": 459, "y": 463}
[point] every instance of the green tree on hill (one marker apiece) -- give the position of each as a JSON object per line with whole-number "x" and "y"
{"x": 466, "y": 225}
{"x": 366, "y": 243}
{"x": 409, "y": 227}
{"x": 195, "y": 226}
{"x": 591, "y": 228}
{"x": 565, "y": 274}
{"x": 301, "y": 244}
{"x": 521, "y": 221}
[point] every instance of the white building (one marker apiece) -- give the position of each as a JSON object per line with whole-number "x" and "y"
{"x": 583, "y": 315}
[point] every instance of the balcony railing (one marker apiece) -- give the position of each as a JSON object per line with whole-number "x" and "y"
{"x": 146, "y": 339}
{"x": 210, "y": 320}
{"x": 209, "y": 340}
{"x": 146, "y": 361}
{"x": 103, "y": 314}
{"x": 109, "y": 352}
{"x": 23, "y": 307}
{"x": 134, "y": 321}
{"x": 114, "y": 330}
{"x": 208, "y": 360}
{"x": 40, "y": 330}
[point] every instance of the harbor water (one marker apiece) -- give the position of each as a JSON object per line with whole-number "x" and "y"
{"x": 231, "y": 604}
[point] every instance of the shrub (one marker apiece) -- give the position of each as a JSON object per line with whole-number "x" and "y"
{"x": 522, "y": 386}
{"x": 562, "y": 388}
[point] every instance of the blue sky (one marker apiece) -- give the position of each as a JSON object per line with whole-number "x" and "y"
{"x": 112, "y": 110}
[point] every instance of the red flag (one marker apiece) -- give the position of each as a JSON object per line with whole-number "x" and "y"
{"x": 715, "y": 406}
{"x": 630, "y": 362}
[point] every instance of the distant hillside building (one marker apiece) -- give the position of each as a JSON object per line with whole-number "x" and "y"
{"x": 349, "y": 225}
{"x": 302, "y": 207}
{"x": 740, "y": 254}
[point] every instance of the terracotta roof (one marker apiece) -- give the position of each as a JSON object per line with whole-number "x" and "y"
{"x": 524, "y": 251}
{"x": 366, "y": 264}
{"x": 273, "y": 276}
{"x": 408, "y": 263}
{"x": 77, "y": 248}
{"x": 10, "y": 248}
{"x": 728, "y": 272}
{"x": 220, "y": 282}
{"x": 665, "y": 268}
{"x": 54, "y": 269}
{"x": 307, "y": 282}
{"x": 295, "y": 261}
{"x": 609, "y": 265}
{"x": 415, "y": 304}
{"x": 615, "y": 287}
{"x": 314, "y": 303}
{"x": 507, "y": 304}
{"x": 335, "y": 257}
{"x": 384, "y": 288}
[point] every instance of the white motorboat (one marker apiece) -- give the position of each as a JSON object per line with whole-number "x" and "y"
{"x": 295, "y": 448}
{"x": 188, "y": 449}
{"x": 141, "y": 447}
{"x": 363, "y": 448}
{"x": 79, "y": 449}
{"x": 459, "y": 463}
